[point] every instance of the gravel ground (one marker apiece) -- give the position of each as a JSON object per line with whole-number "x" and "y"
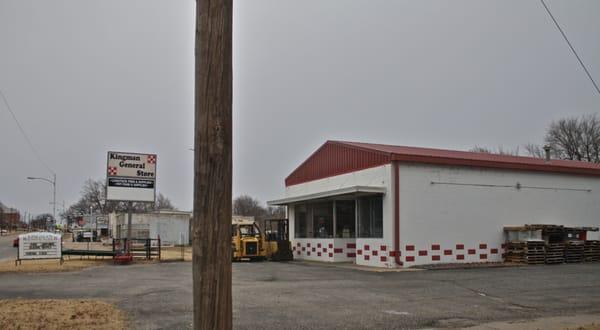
{"x": 297, "y": 295}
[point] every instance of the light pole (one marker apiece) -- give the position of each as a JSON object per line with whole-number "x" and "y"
{"x": 53, "y": 182}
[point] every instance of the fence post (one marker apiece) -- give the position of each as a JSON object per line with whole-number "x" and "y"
{"x": 159, "y": 247}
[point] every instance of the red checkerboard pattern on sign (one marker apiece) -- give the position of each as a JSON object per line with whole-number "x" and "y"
{"x": 151, "y": 159}
{"x": 112, "y": 171}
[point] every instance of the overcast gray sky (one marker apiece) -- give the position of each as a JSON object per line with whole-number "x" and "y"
{"x": 85, "y": 77}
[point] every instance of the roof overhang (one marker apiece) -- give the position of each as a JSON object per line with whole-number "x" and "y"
{"x": 354, "y": 190}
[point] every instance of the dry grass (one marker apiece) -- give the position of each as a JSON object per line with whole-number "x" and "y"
{"x": 60, "y": 314}
{"x": 174, "y": 253}
{"x": 592, "y": 326}
{"x": 47, "y": 266}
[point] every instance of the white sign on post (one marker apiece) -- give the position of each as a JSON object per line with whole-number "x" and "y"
{"x": 40, "y": 246}
{"x": 131, "y": 177}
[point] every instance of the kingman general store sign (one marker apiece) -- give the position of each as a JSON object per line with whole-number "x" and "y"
{"x": 131, "y": 177}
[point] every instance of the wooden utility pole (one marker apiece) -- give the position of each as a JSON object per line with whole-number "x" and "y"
{"x": 212, "y": 165}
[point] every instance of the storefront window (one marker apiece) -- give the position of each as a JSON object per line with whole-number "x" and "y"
{"x": 323, "y": 220}
{"x": 370, "y": 217}
{"x": 300, "y": 221}
{"x": 345, "y": 219}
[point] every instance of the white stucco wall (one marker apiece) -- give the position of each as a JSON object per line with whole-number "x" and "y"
{"x": 435, "y": 218}
{"x": 347, "y": 249}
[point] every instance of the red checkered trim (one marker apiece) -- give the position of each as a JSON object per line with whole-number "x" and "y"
{"x": 366, "y": 257}
{"x": 366, "y": 247}
{"x": 151, "y": 159}
{"x": 319, "y": 245}
{"x": 303, "y": 248}
{"x": 112, "y": 171}
{"x": 330, "y": 246}
{"x": 435, "y": 258}
{"x": 410, "y": 259}
{"x": 383, "y": 258}
{"x": 307, "y": 253}
{"x": 351, "y": 246}
{"x": 472, "y": 251}
{"x": 324, "y": 249}
{"x": 375, "y": 252}
{"x": 435, "y": 247}
{"x": 460, "y": 246}
{"x": 338, "y": 250}
{"x": 359, "y": 252}
{"x": 395, "y": 253}
{"x": 330, "y": 255}
{"x": 318, "y": 254}
{"x": 383, "y": 248}
{"x": 460, "y": 257}
{"x": 307, "y": 244}
{"x": 314, "y": 249}
{"x": 351, "y": 255}
{"x": 494, "y": 251}
{"x": 422, "y": 252}
{"x": 483, "y": 256}
{"x": 447, "y": 252}
{"x": 483, "y": 246}
{"x": 410, "y": 248}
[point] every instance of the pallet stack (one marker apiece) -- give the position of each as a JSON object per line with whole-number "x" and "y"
{"x": 515, "y": 252}
{"x": 529, "y": 252}
{"x": 535, "y": 252}
{"x": 574, "y": 251}
{"x": 591, "y": 251}
{"x": 555, "y": 253}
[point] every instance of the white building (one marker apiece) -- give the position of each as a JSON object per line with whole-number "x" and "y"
{"x": 173, "y": 227}
{"x": 394, "y": 206}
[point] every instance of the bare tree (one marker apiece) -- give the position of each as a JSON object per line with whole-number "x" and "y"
{"x": 163, "y": 203}
{"x": 534, "y": 150}
{"x": 93, "y": 198}
{"x": 42, "y": 221}
{"x": 248, "y": 206}
{"x": 499, "y": 151}
{"x": 572, "y": 138}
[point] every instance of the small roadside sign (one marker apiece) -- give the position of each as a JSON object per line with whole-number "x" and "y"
{"x": 40, "y": 246}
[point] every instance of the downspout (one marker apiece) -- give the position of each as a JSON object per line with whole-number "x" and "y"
{"x": 396, "y": 175}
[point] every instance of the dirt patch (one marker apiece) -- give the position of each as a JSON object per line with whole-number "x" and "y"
{"x": 47, "y": 266}
{"x": 174, "y": 254}
{"x": 60, "y": 314}
{"x": 592, "y": 326}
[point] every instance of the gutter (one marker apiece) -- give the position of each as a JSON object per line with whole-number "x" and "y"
{"x": 396, "y": 174}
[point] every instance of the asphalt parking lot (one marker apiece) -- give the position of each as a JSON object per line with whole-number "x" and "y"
{"x": 7, "y": 251}
{"x": 311, "y": 296}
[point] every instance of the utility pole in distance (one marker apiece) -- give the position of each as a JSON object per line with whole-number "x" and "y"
{"x": 212, "y": 165}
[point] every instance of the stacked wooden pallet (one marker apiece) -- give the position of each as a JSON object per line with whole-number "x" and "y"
{"x": 591, "y": 251}
{"x": 574, "y": 251}
{"x": 535, "y": 252}
{"x": 529, "y": 252}
{"x": 555, "y": 253}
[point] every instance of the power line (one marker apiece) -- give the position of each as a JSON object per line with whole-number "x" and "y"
{"x": 29, "y": 143}
{"x": 571, "y": 46}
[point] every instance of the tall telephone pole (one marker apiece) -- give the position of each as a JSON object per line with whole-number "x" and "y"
{"x": 212, "y": 165}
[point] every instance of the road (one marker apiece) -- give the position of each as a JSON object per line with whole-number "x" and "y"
{"x": 7, "y": 251}
{"x": 308, "y": 296}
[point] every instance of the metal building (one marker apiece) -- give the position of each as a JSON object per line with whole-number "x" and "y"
{"x": 394, "y": 206}
{"x": 173, "y": 227}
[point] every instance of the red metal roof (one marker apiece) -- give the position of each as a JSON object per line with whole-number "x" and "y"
{"x": 338, "y": 157}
